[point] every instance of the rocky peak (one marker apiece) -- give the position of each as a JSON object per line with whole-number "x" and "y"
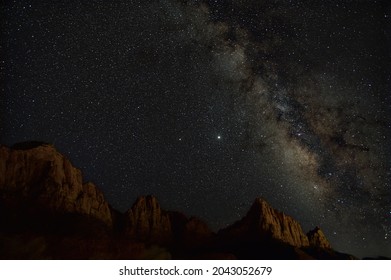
{"x": 263, "y": 221}
{"x": 35, "y": 176}
{"x": 279, "y": 225}
{"x": 36, "y": 172}
{"x": 147, "y": 221}
{"x": 317, "y": 238}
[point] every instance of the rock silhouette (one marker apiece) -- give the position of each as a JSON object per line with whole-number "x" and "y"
{"x": 148, "y": 222}
{"x": 318, "y": 239}
{"x": 47, "y": 211}
{"x": 37, "y": 173}
{"x": 262, "y": 221}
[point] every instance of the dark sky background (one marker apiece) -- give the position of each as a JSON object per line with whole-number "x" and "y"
{"x": 209, "y": 104}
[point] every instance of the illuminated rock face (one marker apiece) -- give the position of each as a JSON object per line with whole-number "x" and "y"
{"x": 39, "y": 187}
{"x": 263, "y": 221}
{"x": 279, "y": 225}
{"x": 317, "y": 238}
{"x": 47, "y": 179}
{"x": 37, "y": 174}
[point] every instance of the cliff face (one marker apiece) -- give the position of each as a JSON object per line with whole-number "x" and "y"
{"x": 35, "y": 176}
{"x": 147, "y": 221}
{"x": 278, "y": 225}
{"x": 317, "y": 238}
{"x": 46, "y": 178}
{"x": 262, "y": 221}
{"x": 35, "y": 173}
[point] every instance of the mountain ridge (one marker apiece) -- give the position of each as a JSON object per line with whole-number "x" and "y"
{"x": 38, "y": 181}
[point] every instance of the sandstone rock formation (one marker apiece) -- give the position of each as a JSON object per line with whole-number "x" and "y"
{"x": 262, "y": 221}
{"x": 35, "y": 178}
{"x": 41, "y": 175}
{"x": 317, "y": 238}
{"x": 147, "y": 221}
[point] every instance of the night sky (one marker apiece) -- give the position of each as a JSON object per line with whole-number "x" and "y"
{"x": 210, "y": 104}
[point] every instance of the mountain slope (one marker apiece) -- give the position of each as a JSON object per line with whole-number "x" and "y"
{"x": 47, "y": 211}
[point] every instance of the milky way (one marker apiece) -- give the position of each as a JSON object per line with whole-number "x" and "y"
{"x": 209, "y": 104}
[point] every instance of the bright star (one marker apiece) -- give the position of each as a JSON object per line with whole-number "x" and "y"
{"x": 218, "y": 137}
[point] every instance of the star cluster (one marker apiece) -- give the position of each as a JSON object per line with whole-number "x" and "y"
{"x": 209, "y": 104}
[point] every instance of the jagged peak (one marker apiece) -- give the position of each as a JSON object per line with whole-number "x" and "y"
{"x": 262, "y": 220}
{"x": 316, "y": 229}
{"x": 261, "y": 208}
{"x": 147, "y": 201}
{"x": 317, "y": 238}
{"x": 259, "y": 204}
{"x": 260, "y": 201}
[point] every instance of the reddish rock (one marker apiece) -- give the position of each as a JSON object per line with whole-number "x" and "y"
{"x": 35, "y": 178}
{"x": 317, "y": 238}
{"x": 148, "y": 222}
{"x": 46, "y": 178}
{"x": 263, "y": 221}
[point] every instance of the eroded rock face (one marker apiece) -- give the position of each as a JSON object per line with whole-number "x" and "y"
{"x": 317, "y": 238}
{"x": 41, "y": 174}
{"x": 36, "y": 175}
{"x": 279, "y": 225}
{"x": 148, "y": 222}
{"x": 263, "y": 221}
